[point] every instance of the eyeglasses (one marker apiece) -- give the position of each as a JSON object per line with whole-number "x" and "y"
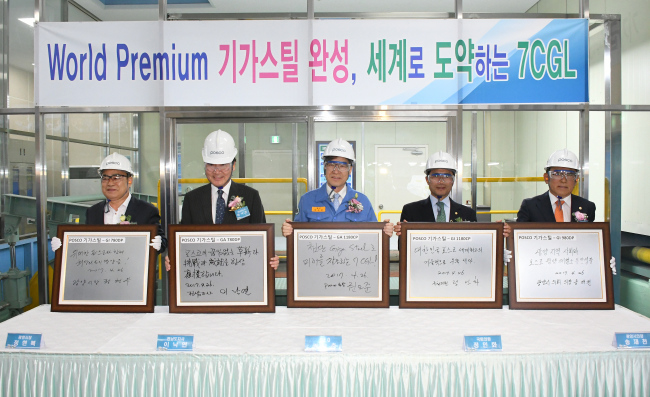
{"x": 218, "y": 167}
{"x": 114, "y": 178}
{"x": 337, "y": 165}
{"x": 440, "y": 177}
{"x": 561, "y": 174}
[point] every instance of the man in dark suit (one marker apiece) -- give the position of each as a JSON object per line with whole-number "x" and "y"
{"x": 438, "y": 207}
{"x": 120, "y": 207}
{"x": 198, "y": 208}
{"x": 222, "y": 201}
{"x": 558, "y": 204}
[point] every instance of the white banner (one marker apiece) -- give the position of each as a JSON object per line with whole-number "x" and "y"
{"x": 296, "y": 63}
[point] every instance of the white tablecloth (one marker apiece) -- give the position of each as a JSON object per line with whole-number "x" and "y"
{"x": 385, "y": 352}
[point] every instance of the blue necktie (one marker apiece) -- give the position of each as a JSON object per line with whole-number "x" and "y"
{"x": 336, "y": 201}
{"x": 221, "y": 209}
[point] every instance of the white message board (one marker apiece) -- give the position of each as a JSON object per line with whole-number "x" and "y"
{"x": 451, "y": 265}
{"x": 104, "y": 268}
{"x": 345, "y": 267}
{"x": 222, "y": 267}
{"x": 560, "y": 265}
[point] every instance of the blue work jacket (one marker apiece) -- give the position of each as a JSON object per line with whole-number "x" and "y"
{"x": 315, "y": 206}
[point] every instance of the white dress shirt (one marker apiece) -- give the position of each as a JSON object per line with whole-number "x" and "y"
{"x": 112, "y": 217}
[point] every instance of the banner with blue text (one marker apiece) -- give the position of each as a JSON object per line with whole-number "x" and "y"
{"x": 301, "y": 63}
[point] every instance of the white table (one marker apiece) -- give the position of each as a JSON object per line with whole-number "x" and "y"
{"x": 396, "y": 352}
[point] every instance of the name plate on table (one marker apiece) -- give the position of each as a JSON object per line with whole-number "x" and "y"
{"x": 632, "y": 340}
{"x": 451, "y": 265}
{"x": 323, "y": 343}
{"x": 221, "y": 268}
{"x": 560, "y": 266}
{"x": 104, "y": 268}
{"x": 175, "y": 343}
{"x": 24, "y": 341}
{"x": 337, "y": 264}
{"x": 482, "y": 343}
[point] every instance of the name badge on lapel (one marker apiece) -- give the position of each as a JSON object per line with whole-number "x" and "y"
{"x": 242, "y": 213}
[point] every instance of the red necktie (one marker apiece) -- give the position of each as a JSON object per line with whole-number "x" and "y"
{"x": 559, "y": 215}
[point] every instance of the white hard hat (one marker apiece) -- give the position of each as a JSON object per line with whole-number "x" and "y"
{"x": 339, "y": 148}
{"x": 563, "y": 158}
{"x": 219, "y": 148}
{"x": 116, "y": 161}
{"x": 440, "y": 160}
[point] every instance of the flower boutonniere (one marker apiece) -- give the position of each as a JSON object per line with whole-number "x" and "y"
{"x": 580, "y": 216}
{"x": 354, "y": 205}
{"x": 236, "y": 203}
{"x": 125, "y": 220}
{"x": 459, "y": 219}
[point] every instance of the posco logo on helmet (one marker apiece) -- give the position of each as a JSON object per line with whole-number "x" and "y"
{"x": 440, "y": 161}
{"x": 338, "y": 149}
{"x": 113, "y": 162}
{"x": 217, "y": 152}
{"x": 565, "y": 159}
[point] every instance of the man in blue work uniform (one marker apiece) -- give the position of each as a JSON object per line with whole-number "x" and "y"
{"x": 335, "y": 201}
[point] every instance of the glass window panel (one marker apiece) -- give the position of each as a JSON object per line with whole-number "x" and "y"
{"x": 131, "y": 10}
{"x": 87, "y": 127}
{"x": 21, "y": 173}
{"x": 21, "y": 165}
{"x": 120, "y": 126}
{"x": 54, "y": 124}
{"x": 149, "y": 153}
{"x": 268, "y": 160}
{"x": 238, "y": 7}
{"x": 21, "y": 122}
{"x": 542, "y": 7}
{"x": 56, "y": 177}
{"x": 635, "y": 215}
{"x": 53, "y": 10}
{"x": 21, "y": 55}
{"x": 634, "y": 37}
{"x": 596, "y": 69}
{"x": 383, "y": 6}
{"x": 83, "y": 161}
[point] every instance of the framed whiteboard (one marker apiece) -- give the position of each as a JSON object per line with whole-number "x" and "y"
{"x": 221, "y": 268}
{"x": 451, "y": 265}
{"x": 337, "y": 264}
{"x": 563, "y": 267}
{"x": 104, "y": 268}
